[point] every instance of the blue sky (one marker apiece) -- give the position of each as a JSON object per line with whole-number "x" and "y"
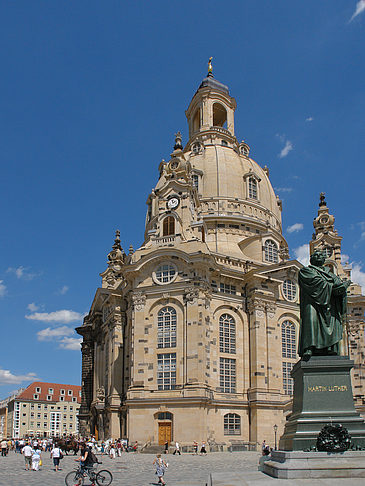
{"x": 91, "y": 96}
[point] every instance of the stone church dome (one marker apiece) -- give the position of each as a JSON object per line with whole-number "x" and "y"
{"x": 237, "y": 202}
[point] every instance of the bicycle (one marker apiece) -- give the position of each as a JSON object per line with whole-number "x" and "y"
{"x": 77, "y": 478}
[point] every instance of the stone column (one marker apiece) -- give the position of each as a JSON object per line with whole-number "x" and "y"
{"x": 87, "y": 350}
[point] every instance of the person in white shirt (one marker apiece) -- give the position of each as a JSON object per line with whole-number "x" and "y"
{"x": 56, "y": 455}
{"x": 4, "y": 448}
{"x": 36, "y": 457}
{"x": 177, "y": 449}
{"x": 27, "y": 453}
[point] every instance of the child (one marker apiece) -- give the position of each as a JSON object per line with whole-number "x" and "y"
{"x": 112, "y": 451}
{"x": 160, "y": 465}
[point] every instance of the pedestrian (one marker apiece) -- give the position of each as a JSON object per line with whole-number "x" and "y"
{"x": 166, "y": 447}
{"x": 195, "y": 447}
{"x": 263, "y": 446}
{"x": 177, "y": 449}
{"x": 36, "y": 459}
{"x": 102, "y": 447}
{"x": 203, "y": 449}
{"x": 112, "y": 451}
{"x": 119, "y": 448}
{"x": 161, "y": 466}
{"x": 56, "y": 454}
{"x": 27, "y": 452}
{"x": 4, "y": 448}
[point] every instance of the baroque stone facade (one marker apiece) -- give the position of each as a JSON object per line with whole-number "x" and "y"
{"x": 193, "y": 335}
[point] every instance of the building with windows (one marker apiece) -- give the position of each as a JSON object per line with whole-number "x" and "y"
{"x": 43, "y": 410}
{"x": 193, "y": 335}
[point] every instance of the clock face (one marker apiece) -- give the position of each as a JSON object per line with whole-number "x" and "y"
{"x": 173, "y": 203}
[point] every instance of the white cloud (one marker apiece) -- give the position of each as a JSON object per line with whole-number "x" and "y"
{"x": 309, "y": 119}
{"x": 32, "y": 307}
{"x": 71, "y": 343}
{"x": 358, "y": 275}
{"x": 302, "y": 254}
{"x": 283, "y": 189}
{"x": 360, "y": 8}
{"x": 2, "y": 288}
{"x": 294, "y": 228}
{"x": 63, "y": 290}
{"x": 288, "y": 147}
{"x": 49, "y": 334}
{"x": 344, "y": 259}
{"x": 61, "y": 316}
{"x": 22, "y": 273}
{"x": 7, "y": 378}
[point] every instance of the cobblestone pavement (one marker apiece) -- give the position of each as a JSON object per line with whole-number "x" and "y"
{"x": 137, "y": 470}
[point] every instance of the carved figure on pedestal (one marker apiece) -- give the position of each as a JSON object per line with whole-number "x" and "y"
{"x": 323, "y": 301}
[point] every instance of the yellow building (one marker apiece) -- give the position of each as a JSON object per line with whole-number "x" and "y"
{"x": 193, "y": 335}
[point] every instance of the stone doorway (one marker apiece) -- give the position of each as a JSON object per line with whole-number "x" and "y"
{"x": 164, "y": 432}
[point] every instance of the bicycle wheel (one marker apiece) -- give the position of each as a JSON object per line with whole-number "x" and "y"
{"x": 104, "y": 478}
{"x": 74, "y": 478}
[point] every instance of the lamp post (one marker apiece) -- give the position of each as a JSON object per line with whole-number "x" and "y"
{"x": 275, "y": 431}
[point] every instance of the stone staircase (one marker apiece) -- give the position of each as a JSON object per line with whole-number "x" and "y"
{"x": 152, "y": 449}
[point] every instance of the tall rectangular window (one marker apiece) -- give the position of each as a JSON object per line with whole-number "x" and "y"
{"x": 227, "y": 334}
{"x": 166, "y": 371}
{"x": 227, "y": 375}
{"x": 166, "y": 334}
{"x": 195, "y": 179}
{"x": 288, "y": 383}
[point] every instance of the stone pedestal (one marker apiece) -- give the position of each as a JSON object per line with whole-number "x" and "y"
{"x": 310, "y": 465}
{"x": 322, "y": 395}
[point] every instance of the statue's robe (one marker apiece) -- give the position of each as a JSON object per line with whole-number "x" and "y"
{"x": 323, "y": 300}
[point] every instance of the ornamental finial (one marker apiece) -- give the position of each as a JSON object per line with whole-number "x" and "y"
{"x": 322, "y": 197}
{"x": 210, "y": 67}
{"x": 178, "y": 141}
{"x": 116, "y": 245}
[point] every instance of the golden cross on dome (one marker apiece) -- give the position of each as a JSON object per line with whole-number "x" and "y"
{"x": 210, "y": 67}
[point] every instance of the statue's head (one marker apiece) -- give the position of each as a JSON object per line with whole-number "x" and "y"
{"x": 318, "y": 257}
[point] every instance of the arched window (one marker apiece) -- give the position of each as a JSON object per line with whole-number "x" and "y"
{"x": 166, "y": 328}
{"x": 169, "y": 226}
{"x": 271, "y": 251}
{"x": 219, "y": 115}
{"x": 227, "y": 334}
{"x": 252, "y": 188}
{"x": 232, "y": 424}
{"x": 289, "y": 289}
{"x": 196, "y": 121}
{"x": 288, "y": 350}
{"x": 288, "y": 341}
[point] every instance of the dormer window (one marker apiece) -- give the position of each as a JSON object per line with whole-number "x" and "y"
{"x": 252, "y": 188}
{"x": 168, "y": 226}
{"x": 271, "y": 253}
{"x": 196, "y": 148}
{"x": 224, "y": 143}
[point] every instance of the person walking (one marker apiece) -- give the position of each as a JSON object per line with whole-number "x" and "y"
{"x": 166, "y": 445}
{"x": 36, "y": 459}
{"x": 112, "y": 451}
{"x": 203, "y": 450}
{"x": 195, "y": 448}
{"x": 56, "y": 454}
{"x": 177, "y": 449}
{"x": 4, "y": 448}
{"x": 27, "y": 452}
{"x": 161, "y": 466}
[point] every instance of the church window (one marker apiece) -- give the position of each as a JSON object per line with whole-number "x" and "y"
{"x": 195, "y": 179}
{"x": 227, "y": 375}
{"x": 289, "y": 289}
{"x": 224, "y": 143}
{"x": 166, "y": 371}
{"x": 288, "y": 341}
{"x": 169, "y": 226}
{"x": 227, "y": 288}
{"x": 164, "y": 416}
{"x": 165, "y": 273}
{"x": 252, "y": 188}
{"x": 232, "y": 424}
{"x": 227, "y": 334}
{"x": 196, "y": 148}
{"x": 219, "y": 115}
{"x": 196, "y": 121}
{"x": 166, "y": 334}
{"x": 271, "y": 251}
{"x": 288, "y": 383}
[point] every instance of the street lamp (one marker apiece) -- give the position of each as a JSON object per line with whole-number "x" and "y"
{"x": 275, "y": 431}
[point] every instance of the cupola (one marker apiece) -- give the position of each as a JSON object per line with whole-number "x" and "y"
{"x": 212, "y": 108}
